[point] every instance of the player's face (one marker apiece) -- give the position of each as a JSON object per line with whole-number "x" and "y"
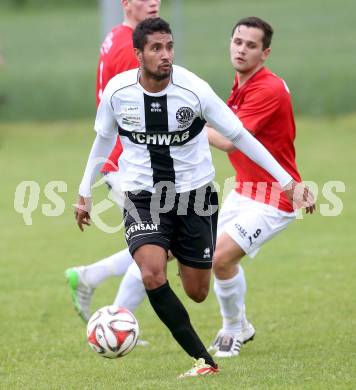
{"x": 142, "y": 9}
{"x": 157, "y": 56}
{"x": 246, "y": 49}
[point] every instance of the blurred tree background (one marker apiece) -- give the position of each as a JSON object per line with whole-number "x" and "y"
{"x": 49, "y": 52}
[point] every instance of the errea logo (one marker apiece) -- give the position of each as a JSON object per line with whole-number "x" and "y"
{"x": 206, "y": 253}
{"x": 156, "y": 107}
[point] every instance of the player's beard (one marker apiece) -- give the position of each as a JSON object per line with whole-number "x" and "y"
{"x": 158, "y": 75}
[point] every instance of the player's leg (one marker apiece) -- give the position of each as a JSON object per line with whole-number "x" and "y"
{"x": 149, "y": 249}
{"x": 230, "y": 290}
{"x": 229, "y": 282}
{"x": 196, "y": 282}
{"x": 244, "y": 226}
{"x": 151, "y": 260}
{"x": 194, "y": 241}
{"x": 114, "y": 265}
{"x": 131, "y": 291}
{"x": 83, "y": 280}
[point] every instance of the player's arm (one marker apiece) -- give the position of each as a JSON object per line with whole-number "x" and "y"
{"x": 256, "y": 110}
{"x": 100, "y": 150}
{"x": 219, "y": 115}
{"x": 218, "y": 141}
{"x": 105, "y": 126}
{"x": 258, "y": 107}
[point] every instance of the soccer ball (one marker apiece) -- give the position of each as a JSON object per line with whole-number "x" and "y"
{"x": 112, "y": 331}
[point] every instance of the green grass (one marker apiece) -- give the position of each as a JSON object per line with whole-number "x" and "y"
{"x": 300, "y": 288}
{"x": 51, "y": 54}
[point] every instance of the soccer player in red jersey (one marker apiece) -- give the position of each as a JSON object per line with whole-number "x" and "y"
{"x": 116, "y": 56}
{"x": 257, "y": 209}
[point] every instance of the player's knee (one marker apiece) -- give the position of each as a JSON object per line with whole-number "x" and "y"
{"x": 153, "y": 278}
{"x": 198, "y": 294}
{"x": 223, "y": 263}
{"x": 219, "y": 266}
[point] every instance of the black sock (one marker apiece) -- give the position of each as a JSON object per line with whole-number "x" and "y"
{"x": 172, "y": 313}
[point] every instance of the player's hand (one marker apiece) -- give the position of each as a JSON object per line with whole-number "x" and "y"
{"x": 82, "y": 212}
{"x": 300, "y": 196}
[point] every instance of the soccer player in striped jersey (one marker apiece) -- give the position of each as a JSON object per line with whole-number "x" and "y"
{"x": 165, "y": 173}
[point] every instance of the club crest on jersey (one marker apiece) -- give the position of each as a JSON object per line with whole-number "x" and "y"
{"x": 156, "y": 107}
{"x": 184, "y": 116}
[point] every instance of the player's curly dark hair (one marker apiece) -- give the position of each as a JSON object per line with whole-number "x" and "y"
{"x": 148, "y": 27}
{"x": 254, "y": 21}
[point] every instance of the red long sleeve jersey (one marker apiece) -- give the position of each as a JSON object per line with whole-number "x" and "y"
{"x": 263, "y": 105}
{"x": 116, "y": 56}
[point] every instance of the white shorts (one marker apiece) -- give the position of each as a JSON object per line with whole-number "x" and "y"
{"x": 251, "y": 223}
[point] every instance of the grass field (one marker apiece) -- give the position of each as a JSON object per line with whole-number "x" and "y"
{"x": 51, "y": 53}
{"x": 301, "y": 295}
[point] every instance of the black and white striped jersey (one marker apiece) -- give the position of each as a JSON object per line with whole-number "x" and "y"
{"x": 162, "y": 134}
